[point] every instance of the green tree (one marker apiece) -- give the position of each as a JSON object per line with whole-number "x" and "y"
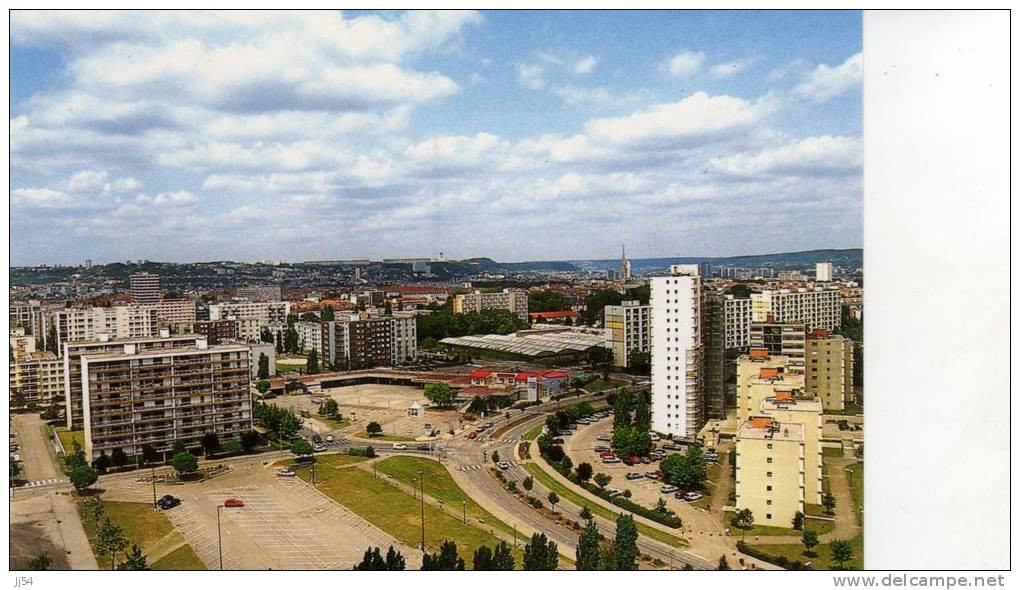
{"x": 842, "y": 552}
{"x": 723, "y": 565}
{"x": 829, "y": 501}
{"x": 312, "y": 365}
{"x": 134, "y": 560}
{"x": 602, "y": 479}
{"x": 584, "y": 472}
{"x": 329, "y": 316}
{"x": 798, "y": 521}
{"x": 625, "y": 544}
{"x": 547, "y": 301}
{"x": 102, "y": 462}
{"x": 82, "y": 477}
{"x": 15, "y": 470}
{"x": 120, "y": 458}
{"x": 810, "y": 541}
{"x": 210, "y": 443}
{"x": 40, "y": 563}
{"x": 262, "y": 386}
{"x": 180, "y": 446}
{"x": 495, "y": 456}
{"x": 642, "y": 413}
{"x": 373, "y": 429}
{"x": 394, "y": 560}
{"x": 528, "y": 483}
{"x": 586, "y": 513}
{"x": 446, "y": 560}
{"x": 51, "y": 340}
{"x": 249, "y": 440}
{"x": 621, "y": 409}
{"x": 301, "y": 448}
{"x": 372, "y": 561}
{"x": 596, "y": 302}
{"x": 18, "y": 398}
{"x": 184, "y": 463}
{"x": 439, "y": 394}
{"x": 639, "y": 362}
{"x": 589, "y": 549}
{"x": 482, "y": 560}
{"x": 110, "y": 541}
{"x": 263, "y": 366}
{"x": 553, "y": 500}
{"x": 232, "y": 446}
{"x": 540, "y": 554}
{"x": 330, "y": 408}
{"x": 503, "y": 558}
{"x": 687, "y": 470}
{"x": 632, "y": 440}
{"x": 743, "y": 520}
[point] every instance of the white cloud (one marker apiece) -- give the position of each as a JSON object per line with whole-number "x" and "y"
{"x": 175, "y": 199}
{"x": 725, "y": 70}
{"x": 531, "y": 76}
{"x": 685, "y": 63}
{"x": 828, "y": 82}
{"x": 814, "y": 155}
{"x": 585, "y": 66}
{"x": 594, "y": 97}
{"x": 86, "y": 180}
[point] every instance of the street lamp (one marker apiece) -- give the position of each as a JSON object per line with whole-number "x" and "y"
{"x": 463, "y": 504}
{"x": 421, "y": 476}
{"x": 153, "y": 487}
{"x": 219, "y": 535}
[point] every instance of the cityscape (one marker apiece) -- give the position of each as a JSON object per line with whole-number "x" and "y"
{"x": 409, "y": 291}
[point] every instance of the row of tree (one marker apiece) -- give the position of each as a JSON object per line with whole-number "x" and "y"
{"x": 443, "y": 323}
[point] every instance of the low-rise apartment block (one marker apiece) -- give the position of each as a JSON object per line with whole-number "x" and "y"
{"x": 76, "y": 324}
{"x": 770, "y": 470}
{"x": 815, "y": 308}
{"x": 514, "y": 300}
{"x": 738, "y": 321}
{"x": 829, "y": 369}
{"x": 779, "y": 339}
{"x": 37, "y": 376}
{"x": 788, "y": 408}
{"x": 760, "y": 376}
{"x": 628, "y": 328}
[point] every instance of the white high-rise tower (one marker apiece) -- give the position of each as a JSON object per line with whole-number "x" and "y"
{"x": 677, "y": 355}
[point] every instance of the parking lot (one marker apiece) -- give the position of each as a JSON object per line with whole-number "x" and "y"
{"x": 284, "y": 523}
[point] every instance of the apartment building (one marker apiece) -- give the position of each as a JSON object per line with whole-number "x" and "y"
{"x": 514, "y": 300}
{"x": 770, "y": 474}
{"x": 261, "y": 293}
{"x": 369, "y": 343}
{"x": 628, "y": 328}
{"x": 255, "y": 351}
{"x": 829, "y": 369}
{"x": 309, "y": 337}
{"x": 779, "y": 339}
{"x": 120, "y": 321}
{"x": 267, "y": 313}
{"x": 677, "y": 355}
{"x": 133, "y": 398}
{"x": 176, "y": 311}
{"x": 713, "y": 339}
{"x": 823, "y": 271}
{"x": 73, "y": 351}
{"x": 218, "y": 331}
{"x": 815, "y": 308}
{"x": 22, "y": 344}
{"x": 37, "y": 375}
{"x": 738, "y": 321}
{"x": 34, "y": 316}
{"x": 404, "y": 338}
{"x": 760, "y": 376}
{"x": 144, "y": 288}
{"x": 789, "y": 408}
{"x": 335, "y": 343}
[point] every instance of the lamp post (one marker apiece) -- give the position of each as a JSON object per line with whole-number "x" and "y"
{"x": 463, "y": 504}
{"x": 153, "y": 487}
{"x": 219, "y": 535}
{"x": 421, "y": 476}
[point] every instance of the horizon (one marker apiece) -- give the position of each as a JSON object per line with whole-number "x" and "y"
{"x": 523, "y": 134}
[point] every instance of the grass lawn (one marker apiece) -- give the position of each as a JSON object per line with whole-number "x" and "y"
{"x": 570, "y": 495}
{"x": 832, "y": 451}
{"x": 534, "y": 432}
{"x": 600, "y": 384}
{"x": 182, "y": 558}
{"x": 334, "y": 424}
{"x": 395, "y": 512}
{"x": 389, "y": 437}
{"x": 856, "y": 476}
{"x": 819, "y": 526}
{"x": 823, "y": 561}
{"x": 68, "y": 436}
{"x": 440, "y": 485}
{"x": 141, "y": 525}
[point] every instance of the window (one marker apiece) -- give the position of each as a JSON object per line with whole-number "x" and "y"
{"x": 768, "y": 460}
{"x": 768, "y": 488}
{"x": 768, "y": 502}
{"x": 768, "y": 474}
{"x": 768, "y": 516}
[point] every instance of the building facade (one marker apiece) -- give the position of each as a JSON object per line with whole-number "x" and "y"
{"x": 261, "y": 293}
{"x": 761, "y": 376}
{"x": 120, "y": 321}
{"x": 514, "y": 300}
{"x": 144, "y": 288}
{"x": 770, "y": 478}
{"x": 829, "y": 369}
{"x": 175, "y": 311}
{"x": 135, "y": 398}
{"x": 677, "y": 355}
{"x": 404, "y": 338}
{"x": 738, "y": 321}
{"x": 780, "y": 340}
{"x": 628, "y": 328}
{"x": 255, "y": 351}
{"x": 823, "y": 271}
{"x": 37, "y": 376}
{"x": 217, "y": 331}
{"x": 713, "y": 339}
{"x": 369, "y": 343}
{"x": 268, "y": 313}
{"x": 815, "y": 308}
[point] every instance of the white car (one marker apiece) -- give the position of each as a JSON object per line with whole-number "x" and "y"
{"x": 610, "y": 459}
{"x": 692, "y": 496}
{"x": 399, "y": 447}
{"x": 503, "y": 465}
{"x": 285, "y": 473}
{"x": 329, "y": 438}
{"x": 668, "y": 489}
{"x": 613, "y": 492}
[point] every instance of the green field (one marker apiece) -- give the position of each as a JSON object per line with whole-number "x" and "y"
{"x": 383, "y": 437}
{"x": 144, "y": 527}
{"x": 182, "y": 558}
{"x": 68, "y": 436}
{"x": 395, "y": 512}
{"x": 570, "y": 495}
{"x": 856, "y": 476}
{"x": 534, "y": 432}
{"x": 819, "y": 526}
{"x": 601, "y": 384}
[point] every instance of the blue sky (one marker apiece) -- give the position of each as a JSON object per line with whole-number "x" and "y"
{"x": 516, "y": 135}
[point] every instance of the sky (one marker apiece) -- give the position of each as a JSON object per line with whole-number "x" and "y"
{"x": 517, "y": 135}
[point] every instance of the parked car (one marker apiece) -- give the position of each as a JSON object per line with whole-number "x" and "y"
{"x": 660, "y": 474}
{"x": 610, "y": 459}
{"x": 604, "y": 437}
{"x": 600, "y": 448}
{"x": 318, "y": 448}
{"x": 285, "y": 473}
{"x": 167, "y": 502}
{"x": 634, "y": 475}
{"x": 316, "y": 439}
{"x": 654, "y": 437}
{"x": 233, "y": 503}
{"x": 607, "y": 453}
{"x": 488, "y": 424}
{"x": 472, "y": 435}
{"x": 399, "y": 447}
{"x": 712, "y": 457}
{"x": 651, "y": 475}
{"x": 503, "y": 465}
{"x": 671, "y": 447}
{"x": 305, "y": 414}
{"x": 646, "y": 460}
{"x": 423, "y": 447}
{"x": 613, "y": 492}
{"x": 668, "y": 489}
{"x": 692, "y": 496}
{"x": 329, "y": 438}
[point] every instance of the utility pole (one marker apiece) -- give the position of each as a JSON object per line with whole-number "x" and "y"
{"x": 463, "y": 504}
{"x": 153, "y": 487}
{"x": 219, "y": 535}
{"x": 313, "y": 475}
{"x": 422, "y": 476}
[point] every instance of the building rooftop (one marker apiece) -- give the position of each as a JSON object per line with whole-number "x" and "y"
{"x": 791, "y": 402}
{"x": 184, "y": 350}
{"x": 765, "y": 428}
{"x": 549, "y": 343}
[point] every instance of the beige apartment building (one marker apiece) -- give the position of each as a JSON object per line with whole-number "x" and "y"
{"x": 770, "y": 479}
{"x": 761, "y": 376}
{"x": 404, "y": 338}
{"x": 515, "y": 300}
{"x": 779, "y": 339}
{"x": 270, "y": 313}
{"x": 628, "y": 327}
{"x": 789, "y": 409}
{"x": 134, "y": 398}
{"x": 737, "y": 314}
{"x": 37, "y": 375}
{"x": 829, "y": 369}
{"x": 817, "y": 307}
{"x": 120, "y": 321}
{"x": 176, "y": 311}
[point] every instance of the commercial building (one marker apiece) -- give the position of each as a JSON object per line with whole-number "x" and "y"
{"x": 677, "y": 355}
{"x": 144, "y": 288}
{"x": 815, "y": 308}
{"x": 738, "y": 321}
{"x": 514, "y": 300}
{"x": 133, "y": 398}
{"x": 829, "y": 369}
{"x": 628, "y": 328}
{"x": 120, "y": 321}
{"x": 73, "y": 351}
{"x": 261, "y": 293}
{"x": 404, "y": 338}
{"x": 770, "y": 474}
{"x": 823, "y": 271}
{"x": 779, "y": 339}
{"x": 713, "y": 340}
{"x": 760, "y": 376}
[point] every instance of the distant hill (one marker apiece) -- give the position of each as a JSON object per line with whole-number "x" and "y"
{"x": 849, "y": 258}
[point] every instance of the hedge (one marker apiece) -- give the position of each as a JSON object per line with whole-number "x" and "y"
{"x": 779, "y": 560}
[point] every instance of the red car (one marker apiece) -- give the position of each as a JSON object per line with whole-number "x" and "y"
{"x": 233, "y": 503}
{"x": 472, "y": 434}
{"x": 607, "y": 454}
